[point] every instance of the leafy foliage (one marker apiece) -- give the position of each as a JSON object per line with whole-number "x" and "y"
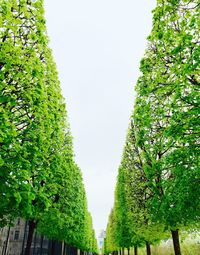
{"x": 166, "y": 113}
{"x": 158, "y": 182}
{"x": 39, "y": 180}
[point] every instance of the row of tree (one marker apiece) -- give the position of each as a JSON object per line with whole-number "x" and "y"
{"x": 39, "y": 180}
{"x": 158, "y": 184}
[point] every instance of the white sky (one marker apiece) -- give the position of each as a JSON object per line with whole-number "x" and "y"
{"x": 97, "y": 45}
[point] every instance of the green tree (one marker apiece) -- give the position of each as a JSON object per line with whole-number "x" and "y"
{"x": 138, "y": 195}
{"x": 134, "y": 225}
{"x": 90, "y": 243}
{"x": 38, "y": 175}
{"x": 166, "y": 115}
{"x": 110, "y": 241}
{"x": 123, "y": 227}
{"x": 68, "y": 219}
{"x": 32, "y": 109}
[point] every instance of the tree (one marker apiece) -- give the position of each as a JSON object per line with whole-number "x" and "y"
{"x": 68, "y": 219}
{"x": 26, "y": 126}
{"x": 110, "y": 241}
{"x": 89, "y": 241}
{"x": 130, "y": 221}
{"x": 35, "y": 140}
{"x": 137, "y": 195}
{"x": 165, "y": 115}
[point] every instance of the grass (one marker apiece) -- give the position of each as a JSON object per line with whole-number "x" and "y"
{"x": 187, "y": 248}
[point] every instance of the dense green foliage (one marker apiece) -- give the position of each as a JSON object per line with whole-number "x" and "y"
{"x": 167, "y": 109}
{"x": 130, "y": 222}
{"x": 39, "y": 180}
{"x": 158, "y": 181}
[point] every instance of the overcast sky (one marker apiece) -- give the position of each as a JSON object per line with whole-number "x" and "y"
{"x": 98, "y": 45}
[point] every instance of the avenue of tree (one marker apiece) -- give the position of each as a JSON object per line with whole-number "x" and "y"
{"x": 39, "y": 179}
{"x": 158, "y": 186}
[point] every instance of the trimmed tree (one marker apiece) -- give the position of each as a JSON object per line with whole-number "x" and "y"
{"x": 165, "y": 115}
{"x": 38, "y": 173}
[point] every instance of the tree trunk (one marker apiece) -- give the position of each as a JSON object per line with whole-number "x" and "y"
{"x": 123, "y": 251}
{"x": 53, "y": 246}
{"x": 128, "y": 251}
{"x": 7, "y": 241}
{"x": 120, "y": 252}
{"x": 175, "y": 237}
{"x": 81, "y": 252}
{"x": 75, "y": 251}
{"x": 41, "y": 244}
{"x": 24, "y": 237}
{"x": 135, "y": 250}
{"x": 148, "y": 248}
{"x": 63, "y": 247}
{"x": 32, "y": 225}
{"x": 35, "y": 239}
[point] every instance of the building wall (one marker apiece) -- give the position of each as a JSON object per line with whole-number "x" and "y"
{"x": 15, "y": 236}
{"x": 3, "y": 238}
{"x": 101, "y": 239}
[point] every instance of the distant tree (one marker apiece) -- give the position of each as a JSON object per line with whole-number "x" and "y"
{"x": 110, "y": 241}
{"x": 90, "y": 236}
{"x": 68, "y": 219}
{"x": 137, "y": 193}
{"x": 123, "y": 227}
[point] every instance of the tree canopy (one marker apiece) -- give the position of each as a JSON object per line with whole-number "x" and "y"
{"x": 39, "y": 179}
{"x": 159, "y": 172}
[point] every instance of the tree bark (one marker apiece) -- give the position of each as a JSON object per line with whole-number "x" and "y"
{"x": 24, "y": 237}
{"x": 32, "y": 225}
{"x": 122, "y": 251}
{"x": 176, "y": 243}
{"x": 63, "y": 248}
{"x": 41, "y": 244}
{"x": 128, "y": 251}
{"x": 35, "y": 239}
{"x": 7, "y": 241}
{"x": 75, "y": 251}
{"x": 53, "y": 244}
{"x": 148, "y": 248}
{"x": 135, "y": 250}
